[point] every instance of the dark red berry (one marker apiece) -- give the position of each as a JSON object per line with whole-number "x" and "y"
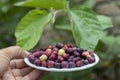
{"x": 51, "y": 64}
{"x": 48, "y": 52}
{"x": 37, "y": 62}
{"x": 65, "y": 47}
{"x": 84, "y": 54}
{"x": 79, "y": 63}
{"x": 55, "y": 53}
{"x": 64, "y": 64}
{"x": 44, "y": 63}
{"x": 65, "y": 56}
{"x": 72, "y": 65}
{"x": 55, "y": 49}
{"x": 52, "y": 57}
{"x": 90, "y": 53}
{"x": 37, "y": 54}
{"x": 70, "y": 45}
{"x": 91, "y": 60}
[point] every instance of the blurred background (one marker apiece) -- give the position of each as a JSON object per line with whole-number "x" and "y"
{"x": 108, "y": 47}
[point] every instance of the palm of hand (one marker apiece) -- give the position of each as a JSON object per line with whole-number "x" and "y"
{"x": 12, "y": 66}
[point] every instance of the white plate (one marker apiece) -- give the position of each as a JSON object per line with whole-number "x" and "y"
{"x": 63, "y": 69}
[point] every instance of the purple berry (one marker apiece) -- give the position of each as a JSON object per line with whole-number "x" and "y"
{"x": 59, "y": 45}
{"x": 51, "y": 64}
{"x": 60, "y": 59}
{"x": 76, "y": 54}
{"x": 42, "y": 52}
{"x": 64, "y": 64}
{"x": 75, "y": 59}
{"x": 57, "y": 65}
{"x": 70, "y": 50}
{"x": 79, "y": 63}
{"x": 79, "y": 58}
{"x": 70, "y": 58}
{"x": 80, "y": 50}
{"x": 72, "y": 65}
{"x": 44, "y": 64}
{"x": 31, "y": 58}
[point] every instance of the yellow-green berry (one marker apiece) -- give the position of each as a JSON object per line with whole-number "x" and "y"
{"x": 89, "y": 56}
{"x": 61, "y": 52}
{"x": 43, "y": 57}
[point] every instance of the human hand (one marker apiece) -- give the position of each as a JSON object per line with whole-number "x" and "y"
{"x": 12, "y": 66}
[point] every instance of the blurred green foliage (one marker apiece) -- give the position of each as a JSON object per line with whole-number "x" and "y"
{"x": 9, "y": 18}
{"x": 108, "y": 48}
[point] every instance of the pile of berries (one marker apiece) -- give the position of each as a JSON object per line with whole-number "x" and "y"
{"x": 62, "y": 56}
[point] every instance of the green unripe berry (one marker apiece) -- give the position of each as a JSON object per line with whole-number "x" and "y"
{"x": 61, "y": 52}
{"x": 43, "y": 57}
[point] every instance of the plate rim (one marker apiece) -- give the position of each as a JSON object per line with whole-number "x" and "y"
{"x": 26, "y": 60}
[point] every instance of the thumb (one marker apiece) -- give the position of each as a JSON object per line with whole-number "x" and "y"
{"x": 7, "y": 54}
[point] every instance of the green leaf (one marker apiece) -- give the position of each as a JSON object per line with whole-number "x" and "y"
{"x": 31, "y": 27}
{"x": 89, "y": 3}
{"x": 109, "y": 40}
{"x": 113, "y": 43}
{"x": 63, "y": 27}
{"x": 86, "y": 28}
{"x": 56, "y": 4}
{"x": 105, "y": 21}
